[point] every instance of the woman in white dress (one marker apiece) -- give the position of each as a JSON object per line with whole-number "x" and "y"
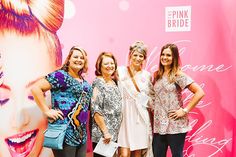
{"x": 135, "y": 134}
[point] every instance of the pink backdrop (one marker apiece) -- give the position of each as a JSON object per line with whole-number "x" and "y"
{"x": 207, "y": 53}
{"x": 205, "y": 32}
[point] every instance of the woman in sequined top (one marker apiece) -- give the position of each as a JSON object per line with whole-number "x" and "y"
{"x": 106, "y": 101}
{"x": 68, "y": 88}
{"x": 170, "y": 115}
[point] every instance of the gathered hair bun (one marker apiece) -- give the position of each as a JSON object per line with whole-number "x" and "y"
{"x": 140, "y": 47}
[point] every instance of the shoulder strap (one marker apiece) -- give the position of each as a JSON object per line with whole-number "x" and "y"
{"x": 75, "y": 108}
{"x": 133, "y": 80}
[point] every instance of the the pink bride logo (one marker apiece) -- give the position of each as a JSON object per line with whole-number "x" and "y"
{"x": 178, "y": 19}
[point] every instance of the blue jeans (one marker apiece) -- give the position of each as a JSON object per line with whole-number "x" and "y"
{"x": 175, "y": 141}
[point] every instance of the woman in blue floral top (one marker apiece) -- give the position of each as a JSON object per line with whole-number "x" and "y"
{"x": 67, "y": 87}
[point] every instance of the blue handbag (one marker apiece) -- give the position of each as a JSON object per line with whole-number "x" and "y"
{"x": 54, "y": 135}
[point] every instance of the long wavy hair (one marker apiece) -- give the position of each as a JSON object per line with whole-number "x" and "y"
{"x": 65, "y": 66}
{"x": 98, "y": 66}
{"x": 175, "y": 66}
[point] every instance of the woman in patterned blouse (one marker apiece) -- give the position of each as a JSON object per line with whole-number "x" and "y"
{"x": 170, "y": 116}
{"x": 67, "y": 87}
{"x": 106, "y": 101}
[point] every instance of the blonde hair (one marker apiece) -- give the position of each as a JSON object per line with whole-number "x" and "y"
{"x": 42, "y": 20}
{"x": 140, "y": 47}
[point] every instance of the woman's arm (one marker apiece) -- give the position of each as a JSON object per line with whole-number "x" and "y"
{"x": 151, "y": 94}
{"x": 98, "y": 117}
{"x": 38, "y": 90}
{"x": 198, "y": 95}
{"x": 102, "y": 125}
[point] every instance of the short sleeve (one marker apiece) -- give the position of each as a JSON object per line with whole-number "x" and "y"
{"x": 97, "y": 99}
{"x": 147, "y": 75}
{"x": 150, "y": 91}
{"x": 122, "y": 72}
{"x": 183, "y": 81}
{"x": 56, "y": 79}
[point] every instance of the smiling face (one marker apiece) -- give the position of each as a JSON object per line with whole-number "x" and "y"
{"x": 137, "y": 59}
{"x": 108, "y": 66}
{"x": 22, "y": 123}
{"x": 77, "y": 61}
{"x": 166, "y": 58}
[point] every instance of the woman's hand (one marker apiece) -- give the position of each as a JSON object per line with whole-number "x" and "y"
{"x": 54, "y": 114}
{"x": 175, "y": 114}
{"x": 107, "y": 137}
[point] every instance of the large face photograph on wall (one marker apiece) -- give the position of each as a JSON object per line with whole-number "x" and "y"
{"x": 29, "y": 49}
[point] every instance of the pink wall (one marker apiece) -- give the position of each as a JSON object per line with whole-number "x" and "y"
{"x": 207, "y": 55}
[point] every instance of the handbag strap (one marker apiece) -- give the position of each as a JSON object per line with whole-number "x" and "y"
{"x": 76, "y": 107}
{"x": 132, "y": 78}
{"x": 136, "y": 86}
